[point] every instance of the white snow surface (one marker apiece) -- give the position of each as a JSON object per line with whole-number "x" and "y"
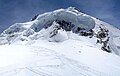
{"x": 27, "y": 52}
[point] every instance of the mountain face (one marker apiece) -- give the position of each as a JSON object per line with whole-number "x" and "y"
{"x": 65, "y": 42}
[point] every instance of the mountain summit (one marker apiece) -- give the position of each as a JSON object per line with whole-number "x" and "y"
{"x": 64, "y": 42}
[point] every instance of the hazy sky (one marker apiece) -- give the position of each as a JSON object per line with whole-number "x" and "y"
{"x": 15, "y": 11}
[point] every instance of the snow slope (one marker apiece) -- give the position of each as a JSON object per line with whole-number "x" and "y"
{"x": 45, "y": 58}
{"x": 28, "y": 49}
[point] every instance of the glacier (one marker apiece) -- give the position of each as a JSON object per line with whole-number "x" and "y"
{"x": 53, "y": 44}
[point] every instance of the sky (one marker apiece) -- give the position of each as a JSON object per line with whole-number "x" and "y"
{"x": 16, "y": 11}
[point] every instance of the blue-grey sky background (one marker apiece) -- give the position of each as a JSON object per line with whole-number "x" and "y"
{"x": 15, "y": 11}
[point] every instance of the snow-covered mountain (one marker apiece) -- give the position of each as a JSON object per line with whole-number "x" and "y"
{"x": 65, "y": 42}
